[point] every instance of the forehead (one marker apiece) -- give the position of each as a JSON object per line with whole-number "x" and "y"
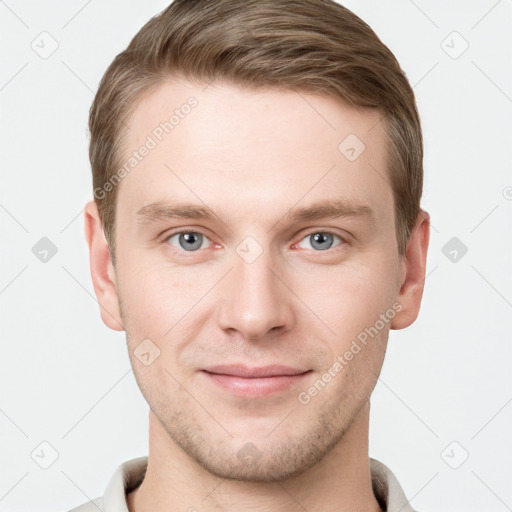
{"x": 252, "y": 147}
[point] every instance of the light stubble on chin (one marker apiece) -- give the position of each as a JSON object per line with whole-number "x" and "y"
{"x": 259, "y": 460}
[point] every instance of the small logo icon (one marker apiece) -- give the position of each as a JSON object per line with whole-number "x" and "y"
{"x": 455, "y": 455}
{"x": 351, "y": 147}
{"x": 454, "y": 249}
{"x": 45, "y": 45}
{"x": 249, "y": 454}
{"x": 44, "y": 250}
{"x": 454, "y": 45}
{"x": 249, "y": 249}
{"x": 146, "y": 352}
{"x": 44, "y": 455}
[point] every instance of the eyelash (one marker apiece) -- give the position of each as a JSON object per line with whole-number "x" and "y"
{"x": 326, "y": 251}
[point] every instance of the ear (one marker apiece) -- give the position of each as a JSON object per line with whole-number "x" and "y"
{"x": 102, "y": 271}
{"x": 413, "y": 266}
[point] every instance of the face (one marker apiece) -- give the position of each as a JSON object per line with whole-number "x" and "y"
{"x": 257, "y": 271}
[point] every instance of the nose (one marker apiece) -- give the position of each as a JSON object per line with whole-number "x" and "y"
{"x": 254, "y": 298}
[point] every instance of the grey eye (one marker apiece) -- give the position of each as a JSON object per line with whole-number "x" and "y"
{"x": 321, "y": 241}
{"x": 188, "y": 240}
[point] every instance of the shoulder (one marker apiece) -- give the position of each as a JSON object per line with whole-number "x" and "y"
{"x": 387, "y": 489}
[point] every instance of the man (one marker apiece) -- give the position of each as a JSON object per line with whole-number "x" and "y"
{"x": 256, "y": 231}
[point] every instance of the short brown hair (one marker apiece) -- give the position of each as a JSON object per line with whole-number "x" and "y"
{"x": 313, "y": 46}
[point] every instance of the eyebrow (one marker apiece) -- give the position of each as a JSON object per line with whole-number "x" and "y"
{"x": 333, "y": 209}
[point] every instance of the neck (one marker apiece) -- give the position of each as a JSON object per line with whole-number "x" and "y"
{"x": 340, "y": 482}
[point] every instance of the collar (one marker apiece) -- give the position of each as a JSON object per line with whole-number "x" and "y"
{"x": 130, "y": 474}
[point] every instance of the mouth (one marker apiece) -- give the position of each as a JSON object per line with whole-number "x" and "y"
{"x": 245, "y": 381}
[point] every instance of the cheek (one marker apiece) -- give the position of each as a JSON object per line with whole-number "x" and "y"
{"x": 352, "y": 298}
{"x": 155, "y": 299}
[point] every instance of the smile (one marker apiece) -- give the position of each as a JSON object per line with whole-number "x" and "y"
{"x": 244, "y": 381}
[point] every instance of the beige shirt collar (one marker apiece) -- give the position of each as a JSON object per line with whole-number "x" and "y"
{"x": 130, "y": 474}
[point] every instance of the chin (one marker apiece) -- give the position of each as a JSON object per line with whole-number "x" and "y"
{"x": 252, "y": 464}
{"x": 261, "y": 458}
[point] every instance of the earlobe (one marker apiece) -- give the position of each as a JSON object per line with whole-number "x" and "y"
{"x": 413, "y": 271}
{"x": 102, "y": 270}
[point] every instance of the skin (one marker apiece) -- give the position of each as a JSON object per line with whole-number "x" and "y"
{"x": 250, "y": 156}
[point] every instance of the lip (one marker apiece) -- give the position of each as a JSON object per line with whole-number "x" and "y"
{"x": 245, "y": 381}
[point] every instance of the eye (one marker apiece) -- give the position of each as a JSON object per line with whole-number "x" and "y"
{"x": 189, "y": 241}
{"x": 321, "y": 240}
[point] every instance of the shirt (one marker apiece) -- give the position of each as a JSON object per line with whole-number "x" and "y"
{"x": 129, "y": 476}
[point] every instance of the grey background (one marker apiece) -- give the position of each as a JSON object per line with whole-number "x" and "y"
{"x": 443, "y": 403}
